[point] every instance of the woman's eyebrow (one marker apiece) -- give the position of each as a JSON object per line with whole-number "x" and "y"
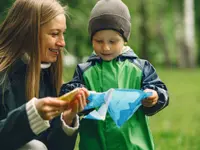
{"x": 60, "y": 30}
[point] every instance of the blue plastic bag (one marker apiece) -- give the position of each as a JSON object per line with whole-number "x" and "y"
{"x": 100, "y": 100}
{"x": 121, "y": 104}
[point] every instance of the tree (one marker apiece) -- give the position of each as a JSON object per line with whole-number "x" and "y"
{"x": 143, "y": 31}
{"x": 197, "y": 23}
{"x": 189, "y": 32}
{"x": 4, "y": 5}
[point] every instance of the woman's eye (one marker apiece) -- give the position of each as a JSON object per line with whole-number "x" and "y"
{"x": 54, "y": 34}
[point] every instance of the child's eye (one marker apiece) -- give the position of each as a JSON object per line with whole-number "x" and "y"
{"x": 112, "y": 42}
{"x": 99, "y": 41}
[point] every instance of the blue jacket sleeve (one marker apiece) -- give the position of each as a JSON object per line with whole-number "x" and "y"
{"x": 76, "y": 82}
{"x": 151, "y": 80}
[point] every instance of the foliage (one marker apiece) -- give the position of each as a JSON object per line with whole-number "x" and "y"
{"x": 197, "y": 20}
{"x": 77, "y": 39}
{"x": 4, "y": 5}
{"x": 160, "y": 27}
{"x": 162, "y": 47}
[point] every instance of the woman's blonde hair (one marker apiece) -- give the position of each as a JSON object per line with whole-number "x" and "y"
{"x": 20, "y": 34}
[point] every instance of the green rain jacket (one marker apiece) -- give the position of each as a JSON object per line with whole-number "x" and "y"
{"x": 129, "y": 72}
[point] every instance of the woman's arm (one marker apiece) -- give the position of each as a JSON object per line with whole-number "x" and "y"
{"x": 15, "y": 130}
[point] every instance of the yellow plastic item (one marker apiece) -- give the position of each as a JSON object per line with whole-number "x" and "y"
{"x": 69, "y": 96}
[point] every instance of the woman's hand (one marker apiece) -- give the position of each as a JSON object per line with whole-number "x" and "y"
{"x": 50, "y": 107}
{"x": 151, "y": 100}
{"x": 75, "y": 106}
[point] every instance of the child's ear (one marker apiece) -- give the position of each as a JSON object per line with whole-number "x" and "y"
{"x": 125, "y": 43}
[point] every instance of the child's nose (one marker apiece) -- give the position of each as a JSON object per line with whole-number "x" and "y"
{"x": 106, "y": 47}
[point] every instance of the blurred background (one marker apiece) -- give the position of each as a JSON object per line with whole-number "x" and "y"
{"x": 167, "y": 33}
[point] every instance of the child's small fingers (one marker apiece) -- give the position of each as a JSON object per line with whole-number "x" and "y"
{"x": 146, "y": 102}
{"x": 147, "y": 90}
{"x": 149, "y": 103}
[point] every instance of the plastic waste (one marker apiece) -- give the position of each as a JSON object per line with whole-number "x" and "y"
{"x": 121, "y": 104}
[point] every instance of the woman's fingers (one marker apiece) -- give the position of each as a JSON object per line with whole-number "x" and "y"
{"x": 52, "y": 114}
{"x": 49, "y": 108}
{"x": 54, "y": 102}
{"x": 80, "y": 100}
{"x": 83, "y": 100}
{"x": 85, "y": 91}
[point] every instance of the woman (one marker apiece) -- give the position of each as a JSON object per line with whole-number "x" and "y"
{"x": 31, "y": 44}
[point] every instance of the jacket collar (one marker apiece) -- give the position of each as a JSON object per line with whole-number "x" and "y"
{"x": 17, "y": 65}
{"x": 20, "y": 63}
{"x": 127, "y": 53}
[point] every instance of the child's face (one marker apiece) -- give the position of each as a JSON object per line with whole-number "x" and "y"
{"x": 107, "y": 44}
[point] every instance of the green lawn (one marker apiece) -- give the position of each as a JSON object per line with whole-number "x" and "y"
{"x": 176, "y": 127}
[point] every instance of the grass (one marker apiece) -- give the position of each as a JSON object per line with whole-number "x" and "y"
{"x": 176, "y": 127}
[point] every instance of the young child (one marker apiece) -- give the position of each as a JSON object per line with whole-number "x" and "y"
{"x": 114, "y": 65}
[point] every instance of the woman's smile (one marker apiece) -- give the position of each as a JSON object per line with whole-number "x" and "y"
{"x": 54, "y": 51}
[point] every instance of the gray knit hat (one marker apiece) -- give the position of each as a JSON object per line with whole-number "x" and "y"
{"x": 110, "y": 14}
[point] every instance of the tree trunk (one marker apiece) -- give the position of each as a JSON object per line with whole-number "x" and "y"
{"x": 189, "y": 32}
{"x": 161, "y": 36}
{"x": 143, "y": 31}
{"x": 181, "y": 47}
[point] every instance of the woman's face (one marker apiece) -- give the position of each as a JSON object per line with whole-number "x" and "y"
{"x": 52, "y": 38}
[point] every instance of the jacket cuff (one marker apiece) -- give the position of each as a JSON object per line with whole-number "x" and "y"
{"x": 67, "y": 129}
{"x": 37, "y": 124}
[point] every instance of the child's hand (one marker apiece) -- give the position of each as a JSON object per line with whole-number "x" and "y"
{"x": 151, "y": 100}
{"x": 76, "y": 105}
